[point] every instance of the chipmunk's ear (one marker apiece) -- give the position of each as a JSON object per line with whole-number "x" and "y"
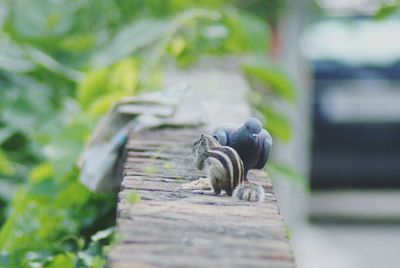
{"x": 202, "y": 135}
{"x": 198, "y": 141}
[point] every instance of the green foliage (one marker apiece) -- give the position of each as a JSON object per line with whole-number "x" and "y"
{"x": 6, "y": 166}
{"x": 288, "y": 172}
{"x": 277, "y": 124}
{"x": 387, "y": 10}
{"x": 63, "y": 64}
{"x": 271, "y": 84}
{"x": 273, "y": 79}
{"x": 103, "y": 87}
{"x": 245, "y": 26}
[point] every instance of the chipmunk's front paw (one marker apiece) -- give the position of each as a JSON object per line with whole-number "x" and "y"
{"x": 200, "y": 184}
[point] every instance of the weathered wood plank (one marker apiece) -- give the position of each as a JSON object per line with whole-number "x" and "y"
{"x": 174, "y": 227}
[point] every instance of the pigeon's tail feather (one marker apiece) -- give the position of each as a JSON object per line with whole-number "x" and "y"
{"x": 249, "y": 191}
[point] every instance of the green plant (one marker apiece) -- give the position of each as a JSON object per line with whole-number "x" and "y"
{"x": 62, "y": 66}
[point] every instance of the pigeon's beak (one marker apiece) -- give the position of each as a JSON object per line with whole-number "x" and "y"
{"x": 254, "y": 136}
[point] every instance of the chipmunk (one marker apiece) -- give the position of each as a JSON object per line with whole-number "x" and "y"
{"x": 225, "y": 169}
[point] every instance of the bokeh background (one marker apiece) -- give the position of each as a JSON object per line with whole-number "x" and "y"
{"x": 324, "y": 76}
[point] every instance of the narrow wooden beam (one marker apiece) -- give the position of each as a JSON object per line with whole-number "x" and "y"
{"x": 174, "y": 227}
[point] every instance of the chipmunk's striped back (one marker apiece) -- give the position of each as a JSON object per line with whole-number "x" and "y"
{"x": 231, "y": 162}
{"x": 229, "y": 159}
{"x": 226, "y": 171}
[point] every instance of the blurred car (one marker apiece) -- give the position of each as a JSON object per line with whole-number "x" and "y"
{"x": 356, "y": 116}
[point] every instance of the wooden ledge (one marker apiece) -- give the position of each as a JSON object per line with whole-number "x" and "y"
{"x": 173, "y": 227}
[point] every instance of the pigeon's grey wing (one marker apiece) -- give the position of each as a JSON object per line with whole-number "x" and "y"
{"x": 224, "y": 134}
{"x": 266, "y": 143}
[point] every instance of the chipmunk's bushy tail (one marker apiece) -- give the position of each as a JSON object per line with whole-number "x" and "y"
{"x": 249, "y": 191}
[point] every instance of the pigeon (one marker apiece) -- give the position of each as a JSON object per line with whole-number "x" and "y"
{"x": 251, "y": 141}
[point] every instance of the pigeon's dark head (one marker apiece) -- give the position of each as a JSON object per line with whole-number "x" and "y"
{"x": 249, "y": 131}
{"x": 253, "y": 126}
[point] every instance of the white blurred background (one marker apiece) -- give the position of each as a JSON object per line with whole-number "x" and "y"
{"x": 344, "y": 57}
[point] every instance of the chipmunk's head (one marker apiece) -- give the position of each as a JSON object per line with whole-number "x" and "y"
{"x": 200, "y": 150}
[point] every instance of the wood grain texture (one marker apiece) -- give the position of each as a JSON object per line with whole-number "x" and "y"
{"x": 174, "y": 227}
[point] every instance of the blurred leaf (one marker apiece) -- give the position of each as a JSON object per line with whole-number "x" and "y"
{"x": 65, "y": 260}
{"x": 272, "y": 78}
{"x": 287, "y": 172}
{"x": 25, "y": 107}
{"x": 22, "y": 116}
{"x": 45, "y": 190}
{"x": 288, "y": 232}
{"x": 8, "y": 229}
{"x": 277, "y": 124}
{"x": 41, "y": 172}
{"x": 247, "y": 31}
{"x": 177, "y": 46}
{"x": 133, "y": 197}
{"x": 65, "y": 148}
{"x": 76, "y": 189}
{"x": 4, "y": 259}
{"x": 386, "y": 10}
{"x": 5, "y": 133}
{"x": 103, "y": 103}
{"x": 8, "y": 188}
{"x": 124, "y": 77}
{"x": 142, "y": 33}
{"x": 102, "y": 88}
{"x": 6, "y": 166}
{"x": 92, "y": 86}
{"x": 12, "y": 57}
{"x": 78, "y": 43}
{"x": 17, "y": 58}
{"x": 45, "y": 17}
{"x": 44, "y": 60}
{"x": 107, "y": 233}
